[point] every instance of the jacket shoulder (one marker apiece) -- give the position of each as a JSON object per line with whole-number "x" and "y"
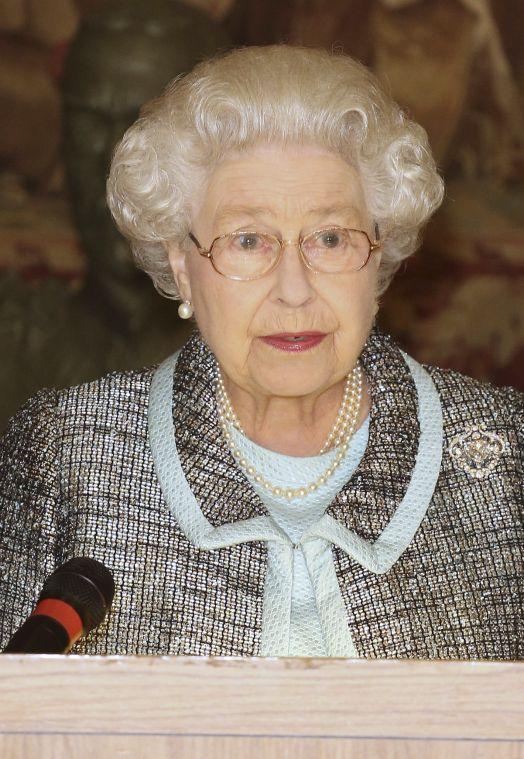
{"x": 115, "y": 399}
{"x": 29, "y": 443}
{"x": 467, "y": 399}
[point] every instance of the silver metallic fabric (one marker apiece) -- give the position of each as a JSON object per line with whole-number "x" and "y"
{"x": 77, "y": 477}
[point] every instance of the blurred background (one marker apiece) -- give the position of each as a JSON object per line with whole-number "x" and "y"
{"x": 73, "y": 74}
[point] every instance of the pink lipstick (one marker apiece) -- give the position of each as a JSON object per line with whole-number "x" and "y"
{"x": 294, "y": 342}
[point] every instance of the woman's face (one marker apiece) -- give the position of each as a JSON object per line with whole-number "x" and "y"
{"x": 288, "y": 192}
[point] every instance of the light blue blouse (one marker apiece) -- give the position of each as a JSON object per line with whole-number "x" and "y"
{"x": 295, "y": 517}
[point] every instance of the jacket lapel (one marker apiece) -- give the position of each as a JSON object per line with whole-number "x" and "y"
{"x": 219, "y": 486}
{"x": 368, "y": 501}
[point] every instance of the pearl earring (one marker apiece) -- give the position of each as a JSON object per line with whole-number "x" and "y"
{"x": 185, "y": 310}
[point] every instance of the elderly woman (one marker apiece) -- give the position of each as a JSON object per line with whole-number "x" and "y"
{"x": 290, "y": 482}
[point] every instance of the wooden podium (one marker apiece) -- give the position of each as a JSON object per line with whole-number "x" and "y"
{"x": 205, "y": 708}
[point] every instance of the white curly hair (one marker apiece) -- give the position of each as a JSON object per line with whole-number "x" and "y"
{"x": 272, "y": 94}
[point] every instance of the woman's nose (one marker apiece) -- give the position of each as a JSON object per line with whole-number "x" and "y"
{"x": 293, "y": 277}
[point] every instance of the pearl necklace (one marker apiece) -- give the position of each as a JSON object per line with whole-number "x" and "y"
{"x": 341, "y": 432}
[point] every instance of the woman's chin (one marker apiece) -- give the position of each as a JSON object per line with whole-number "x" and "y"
{"x": 291, "y": 383}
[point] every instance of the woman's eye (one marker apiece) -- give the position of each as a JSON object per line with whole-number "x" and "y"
{"x": 330, "y": 239}
{"x": 247, "y": 241}
{"x": 250, "y": 242}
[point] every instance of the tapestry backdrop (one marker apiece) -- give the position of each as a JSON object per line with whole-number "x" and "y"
{"x": 72, "y": 76}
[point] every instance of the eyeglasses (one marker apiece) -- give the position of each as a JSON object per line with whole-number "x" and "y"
{"x": 249, "y": 254}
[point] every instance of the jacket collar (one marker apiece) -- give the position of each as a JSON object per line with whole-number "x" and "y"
{"x": 365, "y": 505}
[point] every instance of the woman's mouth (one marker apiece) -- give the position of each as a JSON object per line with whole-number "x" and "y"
{"x": 294, "y": 341}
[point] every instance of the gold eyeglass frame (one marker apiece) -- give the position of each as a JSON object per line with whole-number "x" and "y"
{"x": 283, "y": 243}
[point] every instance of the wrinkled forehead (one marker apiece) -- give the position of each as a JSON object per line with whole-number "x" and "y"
{"x": 283, "y": 184}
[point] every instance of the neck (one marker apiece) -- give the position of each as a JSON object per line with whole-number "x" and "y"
{"x": 293, "y": 426}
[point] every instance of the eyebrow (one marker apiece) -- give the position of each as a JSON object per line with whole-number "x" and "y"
{"x": 258, "y": 212}
{"x": 342, "y": 208}
{"x": 232, "y": 212}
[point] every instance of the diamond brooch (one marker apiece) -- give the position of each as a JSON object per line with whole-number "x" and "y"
{"x": 476, "y": 450}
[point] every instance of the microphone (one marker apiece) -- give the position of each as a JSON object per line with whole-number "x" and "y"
{"x": 74, "y": 600}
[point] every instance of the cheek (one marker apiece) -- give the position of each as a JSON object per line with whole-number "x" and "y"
{"x": 356, "y": 314}
{"x": 225, "y": 313}
{"x": 205, "y": 290}
{"x": 356, "y": 297}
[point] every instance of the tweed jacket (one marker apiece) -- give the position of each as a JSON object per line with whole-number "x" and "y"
{"x": 426, "y": 569}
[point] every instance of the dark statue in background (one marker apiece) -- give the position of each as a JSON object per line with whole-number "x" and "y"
{"x": 122, "y": 56}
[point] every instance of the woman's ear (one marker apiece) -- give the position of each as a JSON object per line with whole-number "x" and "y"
{"x": 177, "y": 257}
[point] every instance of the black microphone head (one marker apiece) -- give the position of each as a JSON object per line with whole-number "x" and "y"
{"x": 94, "y": 571}
{"x": 85, "y": 584}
